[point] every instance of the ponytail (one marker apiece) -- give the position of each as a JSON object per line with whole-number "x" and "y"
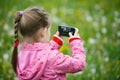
{"x": 28, "y": 24}
{"x": 14, "y": 59}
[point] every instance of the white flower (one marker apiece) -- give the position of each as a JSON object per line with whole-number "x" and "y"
{"x": 55, "y": 19}
{"x": 118, "y": 33}
{"x": 88, "y": 18}
{"x": 15, "y": 78}
{"x": 95, "y": 24}
{"x": 9, "y": 14}
{"x": 11, "y": 32}
{"x": 93, "y": 70}
{"x": 5, "y": 56}
{"x": 116, "y": 13}
{"x": 103, "y": 20}
{"x": 6, "y": 27}
{"x": 106, "y": 59}
{"x": 92, "y": 41}
{"x": 98, "y": 35}
{"x": 104, "y": 30}
{"x": 1, "y": 42}
{"x": 114, "y": 25}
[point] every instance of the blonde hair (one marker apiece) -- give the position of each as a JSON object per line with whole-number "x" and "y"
{"x": 28, "y": 23}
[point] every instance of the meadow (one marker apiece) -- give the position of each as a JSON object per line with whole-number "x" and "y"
{"x": 98, "y": 22}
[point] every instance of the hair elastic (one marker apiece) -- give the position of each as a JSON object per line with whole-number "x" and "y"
{"x": 21, "y": 13}
{"x": 16, "y": 43}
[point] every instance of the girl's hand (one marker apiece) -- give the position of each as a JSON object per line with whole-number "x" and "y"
{"x": 76, "y": 34}
{"x": 58, "y": 34}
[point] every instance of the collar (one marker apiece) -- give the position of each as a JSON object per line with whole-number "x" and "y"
{"x": 35, "y": 46}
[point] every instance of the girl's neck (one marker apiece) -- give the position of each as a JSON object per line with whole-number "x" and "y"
{"x": 33, "y": 40}
{"x": 30, "y": 40}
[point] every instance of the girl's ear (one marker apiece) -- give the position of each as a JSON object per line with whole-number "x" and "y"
{"x": 42, "y": 32}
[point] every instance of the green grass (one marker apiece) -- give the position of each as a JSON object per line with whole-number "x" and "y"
{"x": 99, "y": 27}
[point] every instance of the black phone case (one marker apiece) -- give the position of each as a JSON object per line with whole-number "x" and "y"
{"x": 64, "y": 30}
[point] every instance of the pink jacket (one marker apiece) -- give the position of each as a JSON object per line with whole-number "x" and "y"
{"x": 43, "y": 61}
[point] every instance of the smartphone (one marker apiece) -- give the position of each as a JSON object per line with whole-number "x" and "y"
{"x": 64, "y": 30}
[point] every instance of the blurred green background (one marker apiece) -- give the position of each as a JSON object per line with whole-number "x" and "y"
{"x": 99, "y": 27}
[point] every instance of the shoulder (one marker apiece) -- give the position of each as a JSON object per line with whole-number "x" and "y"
{"x": 54, "y": 53}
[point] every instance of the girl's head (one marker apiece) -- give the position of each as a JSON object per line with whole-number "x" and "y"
{"x": 34, "y": 25}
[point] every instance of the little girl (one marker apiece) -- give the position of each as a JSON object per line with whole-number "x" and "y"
{"x": 38, "y": 58}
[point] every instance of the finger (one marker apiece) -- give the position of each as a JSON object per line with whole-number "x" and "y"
{"x": 70, "y": 34}
{"x": 57, "y": 33}
{"x": 76, "y": 31}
